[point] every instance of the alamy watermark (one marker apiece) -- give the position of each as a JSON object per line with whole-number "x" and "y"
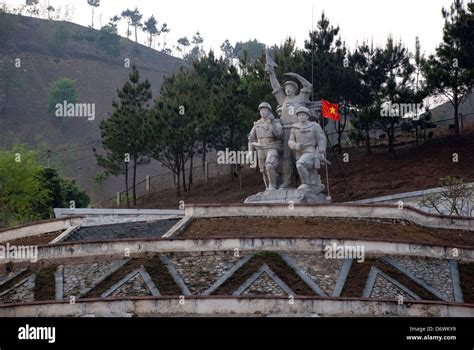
{"x": 237, "y": 157}
{"x": 23, "y": 252}
{"x": 402, "y": 110}
{"x": 75, "y": 110}
{"x": 335, "y": 251}
{"x": 37, "y": 333}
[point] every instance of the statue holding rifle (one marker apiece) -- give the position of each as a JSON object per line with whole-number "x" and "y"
{"x": 308, "y": 142}
{"x": 290, "y": 97}
{"x": 289, "y": 145}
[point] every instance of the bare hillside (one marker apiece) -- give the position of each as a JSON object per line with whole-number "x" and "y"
{"x": 51, "y": 50}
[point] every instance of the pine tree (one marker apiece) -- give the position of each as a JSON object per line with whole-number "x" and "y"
{"x": 125, "y": 132}
{"x": 150, "y": 27}
{"x": 164, "y": 30}
{"x": 136, "y": 18}
{"x": 451, "y": 71}
{"x": 93, "y": 4}
{"x": 173, "y": 126}
{"x": 397, "y": 86}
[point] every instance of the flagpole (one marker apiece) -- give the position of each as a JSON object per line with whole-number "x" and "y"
{"x": 312, "y": 51}
{"x": 327, "y": 181}
{"x": 328, "y": 143}
{"x": 328, "y": 198}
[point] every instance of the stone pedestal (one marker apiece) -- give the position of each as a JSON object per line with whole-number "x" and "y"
{"x": 307, "y": 196}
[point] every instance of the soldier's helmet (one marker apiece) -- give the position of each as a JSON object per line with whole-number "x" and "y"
{"x": 293, "y": 83}
{"x": 303, "y": 110}
{"x": 265, "y": 105}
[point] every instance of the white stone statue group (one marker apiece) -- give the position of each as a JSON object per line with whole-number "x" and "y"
{"x": 290, "y": 141}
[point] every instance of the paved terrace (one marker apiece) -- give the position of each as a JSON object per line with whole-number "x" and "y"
{"x": 243, "y": 275}
{"x": 154, "y": 229}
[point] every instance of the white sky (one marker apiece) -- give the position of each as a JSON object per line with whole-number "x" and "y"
{"x": 271, "y": 21}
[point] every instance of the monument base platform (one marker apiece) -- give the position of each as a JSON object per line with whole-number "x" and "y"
{"x": 307, "y": 196}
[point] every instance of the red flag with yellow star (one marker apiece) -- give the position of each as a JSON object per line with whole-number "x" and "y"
{"x": 330, "y": 110}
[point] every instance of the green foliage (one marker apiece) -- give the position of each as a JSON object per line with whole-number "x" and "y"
{"x": 197, "y": 50}
{"x": 127, "y": 16}
{"x": 109, "y": 40}
{"x": 233, "y": 120}
{"x": 173, "y": 123}
{"x": 93, "y": 4}
{"x": 451, "y": 71}
{"x": 228, "y": 51}
{"x": 61, "y": 192}
{"x": 183, "y": 44}
{"x": 29, "y": 192}
{"x": 51, "y": 181}
{"x": 250, "y": 50}
{"x": 58, "y": 36}
{"x": 386, "y": 75}
{"x": 124, "y": 133}
{"x": 224, "y": 120}
{"x": 397, "y": 85}
{"x": 367, "y": 64}
{"x": 91, "y": 36}
{"x": 21, "y": 192}
{"x": 71, "y": 192}
{"x": 255, "y": 83}
{"x": 322, "y": 63}
{"x": 323, "y": 59}
{"x": 150, "y": 26}
{"x": 61, "y": 90}
{"x": 133, "y": 18}
{"x": 288, "y": 58}
{"x": 185, "y": 123}
{"x": 164, "y": 30}
{"x": 212, "y": 105}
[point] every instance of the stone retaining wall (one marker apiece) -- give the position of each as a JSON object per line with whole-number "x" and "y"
{"x": 117, "y": 248}
{"x": 93, "y": 217}
{"x": 235, "y": 306}
{"x": 39, "y": 228}
{"x": 241, "y": 273}
{"x": 379, "y": 211}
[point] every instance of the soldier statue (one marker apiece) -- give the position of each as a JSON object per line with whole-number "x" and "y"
{"x": 308, "y": 142}
{"x": 265, "y": 137}
{"x": 290, "y": 98}
{"x": 290, "y": 145}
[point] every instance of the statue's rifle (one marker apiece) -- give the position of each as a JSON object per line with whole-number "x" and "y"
{"x": 269, "y": 60}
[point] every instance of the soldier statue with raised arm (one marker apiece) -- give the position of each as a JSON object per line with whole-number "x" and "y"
{"x": 290, "y": 98}
{"x": 302, "y": 148}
